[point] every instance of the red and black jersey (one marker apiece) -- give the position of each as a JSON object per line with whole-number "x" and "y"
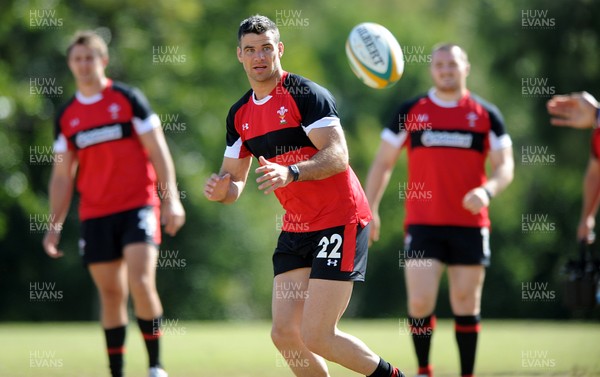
{"x": 277, "y": 127}
{"x": 114, "y": 172}
{"x": 447, "y": 145}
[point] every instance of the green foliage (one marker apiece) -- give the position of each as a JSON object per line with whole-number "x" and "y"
{"x": 226, "y": 250}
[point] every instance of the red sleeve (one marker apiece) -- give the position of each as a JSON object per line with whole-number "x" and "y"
{"x": 596, "y": 143}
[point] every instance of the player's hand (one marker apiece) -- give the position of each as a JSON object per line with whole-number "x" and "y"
{"x": 585, "y": 230}
{"x": 217, "y": 187}
{"x": 576, "y": 110}
{"x": 374, "y": 228}
{"x": 475, "y": 200}
{"x": 273, "y": 176}
{"x": 50, "y": 243}
{"x": 172, "y": 215}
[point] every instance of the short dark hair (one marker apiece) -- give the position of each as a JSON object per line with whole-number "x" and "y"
{"x": 257, "y": 24}
{"x": 448, "y": 47}
{"x": 89, "y": 39}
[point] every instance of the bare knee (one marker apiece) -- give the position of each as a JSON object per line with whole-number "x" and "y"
{"x": 112, "y": 293}
{"x": 317, "y": 341}
{"x": 285, "y": 336}
{"x": 141, "y": 286}
{"x": 464, "y": 302}
{"x": 420, "y": 306}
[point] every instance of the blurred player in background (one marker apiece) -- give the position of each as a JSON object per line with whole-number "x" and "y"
{"x": 581, "y": 110}
{"x": 291, "y": 125}
{"x": 109, "y": 137}
{"x": 448, "y": 134}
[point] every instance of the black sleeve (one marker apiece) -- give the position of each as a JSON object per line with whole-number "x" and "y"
{"x": 496, "y": 118}
{"x": 397, "y": 122}
{"x": 314, "y": 102}
{"x": 139, "y": 103}
{"x": 59, "y": 114}
{"x": 232, "y": 133}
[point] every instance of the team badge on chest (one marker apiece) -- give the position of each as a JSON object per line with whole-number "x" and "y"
{"x": 114, "y": 109}
{"x": 472, "y": 118}
{"x": 282, "y": 111}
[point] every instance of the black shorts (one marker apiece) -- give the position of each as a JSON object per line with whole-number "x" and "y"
{"x": 103, "y": 238}
{"x": 451, "y": 245}
{"x": 338, "y": 253}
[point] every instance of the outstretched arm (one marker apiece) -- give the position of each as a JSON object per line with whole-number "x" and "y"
{"x": 577, "y": 110}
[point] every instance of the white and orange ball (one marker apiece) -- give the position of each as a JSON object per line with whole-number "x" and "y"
{"x": 374, "y": 55}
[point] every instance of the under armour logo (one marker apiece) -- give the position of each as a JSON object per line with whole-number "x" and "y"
{"x": 245, "y": 126}
{"x": 332, "y": 262}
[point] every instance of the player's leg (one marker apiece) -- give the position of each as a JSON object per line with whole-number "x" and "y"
{"x": 141, "y": 265}
{"x": 289, "y": 292}
{"x": 422, "y": 270}
{"x": 339, "y": 259}
{"x": 466, "y": 274}
{"x": 141, "y": 234}
{"x": 110, "y": 279}
{"x": 141, "y": 261}
{"x": 327, "y": 300}
{"x": 107, "y": 269}
{"x": 466, "y": 284}
{"x": 422, "y": 285}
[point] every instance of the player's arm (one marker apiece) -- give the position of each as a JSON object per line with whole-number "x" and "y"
{"x": 503, "y": 165}
{"x": 147, "y": 127}
{"x": 331, "y": 159}
{"x": 377, "y": 181}
{"x": 172, "y": 212}
{"x": 227, "y": 186}
{"x": 60, "y": 192}
{"x": 591, "y": 200}
{"x": 577, "y": 110}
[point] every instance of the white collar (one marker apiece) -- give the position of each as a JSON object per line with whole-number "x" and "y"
{"x": 88, "y": 100}
{"x": 261, "y": 101}
{"x": 440, "y": 102}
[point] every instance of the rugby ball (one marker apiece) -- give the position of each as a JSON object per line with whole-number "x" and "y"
{"x": 374, "y": 55}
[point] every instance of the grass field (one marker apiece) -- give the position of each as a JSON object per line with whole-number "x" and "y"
{"x": 244, "y": 349}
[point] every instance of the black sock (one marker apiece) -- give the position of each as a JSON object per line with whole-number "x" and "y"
{"x": 422, "y": 330}
{"x": 115, "y": 347}
{"x": 151, "y": 333}
{"x": 467, "y": 329}
{"x": 385, "y": 369}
